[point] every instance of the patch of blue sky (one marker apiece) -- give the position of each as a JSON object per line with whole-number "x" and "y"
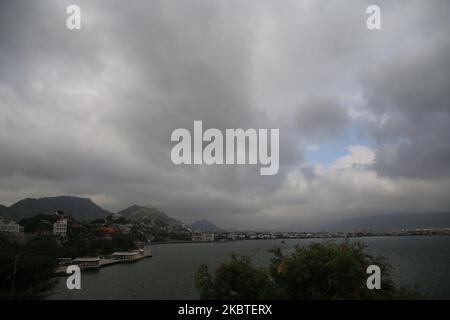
{"x": 326, "y": 153}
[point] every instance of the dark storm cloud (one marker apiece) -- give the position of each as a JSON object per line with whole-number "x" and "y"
{"x": 409, "y": 96}
{"x": 322, "y": 119}
{"x": 93, "y": 109}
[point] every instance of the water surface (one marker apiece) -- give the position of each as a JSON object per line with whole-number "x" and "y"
{"x": 170, "y": 273}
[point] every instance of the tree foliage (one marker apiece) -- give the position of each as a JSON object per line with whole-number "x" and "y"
{"x": 318, "y": 271}
{"x": 27, "y": 270}
{"x": 237, "y": 279}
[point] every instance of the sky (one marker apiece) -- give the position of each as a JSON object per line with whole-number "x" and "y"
{"x": 364, "y": 116}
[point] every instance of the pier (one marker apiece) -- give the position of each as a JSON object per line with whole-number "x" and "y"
{"x": 95, "y": 263}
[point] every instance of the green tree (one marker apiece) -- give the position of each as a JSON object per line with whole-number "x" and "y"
{"x": 237, "y": 279}
{"x": 38, "y": 223}
{"x": 318, "y": 271}
{"x": 27, "y": 270}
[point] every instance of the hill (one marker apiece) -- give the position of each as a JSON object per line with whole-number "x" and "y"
{"x": 204, "y": 225}
{"x": 394, "y": 221}
{"x": 149, "y": 214}
{"x": 79, "y": 208}
{"x": 4, "y": 212}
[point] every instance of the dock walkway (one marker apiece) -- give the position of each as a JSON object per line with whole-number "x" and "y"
{"x": 104, "y": 262}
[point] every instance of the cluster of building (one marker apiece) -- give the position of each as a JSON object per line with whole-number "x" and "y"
{"x": 10, "y": 227}
{"x": 203, "y": 237}
{"x": 252, "y": 235}
{"x": 117, "y": 224}
{"x": 59, "y": 227}
{"x": 418, "y": 232}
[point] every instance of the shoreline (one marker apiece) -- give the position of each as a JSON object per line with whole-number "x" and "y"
{"x": 174, "y": 280}
{"x": 307, "y": 238}
{"x": 105, "y": 262}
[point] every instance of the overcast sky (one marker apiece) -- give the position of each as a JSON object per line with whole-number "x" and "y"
{"x": 364, "y": 116}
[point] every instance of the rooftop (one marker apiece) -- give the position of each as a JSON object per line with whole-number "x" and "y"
{"x": 86, "y": 259}
{"x": 128, "y": 253}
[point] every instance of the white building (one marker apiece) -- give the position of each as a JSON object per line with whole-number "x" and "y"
{"x": 60, "y": 228}
{"x": 204, "y": 237}
{"x": 10, "y": 227}
{"x": 87, "y": 262}
{"x": 127, "y": 256}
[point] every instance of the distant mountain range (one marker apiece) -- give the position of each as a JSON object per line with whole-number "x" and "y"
{"x": 393, "y": 221}
{"x": 204, "y": 225}
{"x": 86, "y": 209}
{"x": 80, "y": 208}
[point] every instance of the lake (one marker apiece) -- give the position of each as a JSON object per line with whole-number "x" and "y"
{"x": 170, "y": 273}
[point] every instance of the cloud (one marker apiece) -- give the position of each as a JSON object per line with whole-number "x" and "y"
{"x": 409, "y": 99}
{"x": 323, "y": 120}
{"x": 92, "y": 110}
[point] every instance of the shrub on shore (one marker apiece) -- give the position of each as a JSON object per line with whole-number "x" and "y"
{"x": 318, "y": 271}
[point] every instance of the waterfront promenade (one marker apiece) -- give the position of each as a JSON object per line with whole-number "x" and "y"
{"x": 104, "y": 262}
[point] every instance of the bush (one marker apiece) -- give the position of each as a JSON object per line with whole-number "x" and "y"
{"x": 318, "y": 271}
{"x": 29, "y": 266}
{"x": 237, "y": 279}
